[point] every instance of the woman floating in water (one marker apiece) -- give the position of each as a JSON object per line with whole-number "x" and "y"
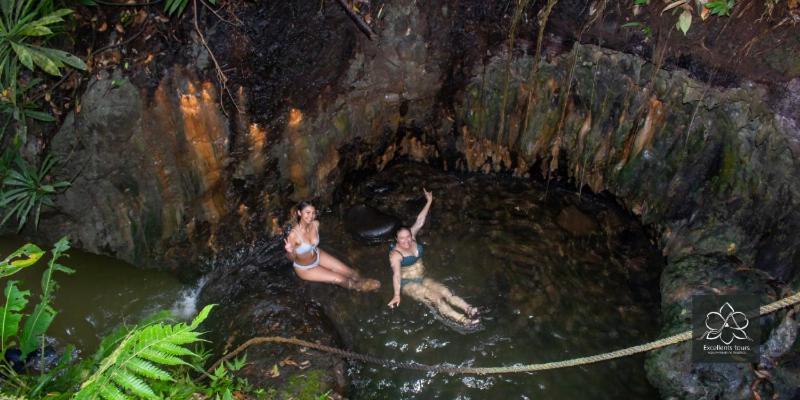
{"x": 405, "y": 258}
{"x": 314, "y": 264}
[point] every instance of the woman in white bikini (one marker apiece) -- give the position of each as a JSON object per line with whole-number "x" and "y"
{"x": 311, "y": 263}
{"x": 405, "y": 257}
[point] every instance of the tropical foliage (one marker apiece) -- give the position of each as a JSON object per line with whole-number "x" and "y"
{"x": 140, "y": 358}
{"x": 25, "y": 27}
{"x": 685, "y": 10}
{"x": 176, "y": 7}
{"x": 24, "y": 190}
{"x": 26, "y": 339}
{"x": 155, "y": 359}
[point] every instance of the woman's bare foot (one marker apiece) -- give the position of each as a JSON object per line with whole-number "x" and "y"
{"x": 468, "y": 321}
{"x": 363, "y": 285}
{"x": 369, "y": 285}
{"x": 473, "y": 312}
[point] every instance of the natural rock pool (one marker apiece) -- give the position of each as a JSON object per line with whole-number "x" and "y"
{"x": 559, "y": 275}
{"x": 102, "y": 294}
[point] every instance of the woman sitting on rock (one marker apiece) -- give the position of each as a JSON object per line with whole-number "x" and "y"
{"x": 405, "y": 258}
{"x": 314, "y": 264}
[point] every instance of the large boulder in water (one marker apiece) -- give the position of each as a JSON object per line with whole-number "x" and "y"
{"x": 369, "y": 223}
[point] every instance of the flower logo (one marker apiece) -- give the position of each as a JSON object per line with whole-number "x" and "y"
{"x": 726, "y": 325}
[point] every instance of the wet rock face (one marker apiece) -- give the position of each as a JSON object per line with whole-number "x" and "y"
{"x": 258, "y": 295}
{"x": 148, "y": 171}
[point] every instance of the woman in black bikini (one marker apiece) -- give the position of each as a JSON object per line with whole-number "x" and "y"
{"x": 405, "y": 258}
{"x": 311, "y": 263}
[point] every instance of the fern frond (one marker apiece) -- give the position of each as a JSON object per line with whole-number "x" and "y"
{"x": 132, "y": 383}
{"x": 111, "y": 392}
{"x": 139, "y": 358}
{"x": 148, "y": 370}
{"x": 160, "y": 357}
{"x": 174, "y": 350}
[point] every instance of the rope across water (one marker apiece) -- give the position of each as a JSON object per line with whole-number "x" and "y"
{"x": 674, "y": 339}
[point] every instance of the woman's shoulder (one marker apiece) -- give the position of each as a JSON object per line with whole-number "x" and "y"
{"x": 395, "y": 254}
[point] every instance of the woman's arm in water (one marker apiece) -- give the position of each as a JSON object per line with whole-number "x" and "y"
{"x": 394, "y": 260}
{"x": 422, "y": 214}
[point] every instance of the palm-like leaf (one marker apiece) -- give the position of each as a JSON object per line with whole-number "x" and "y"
{"x": 141, "y": 358}
{"x": 25, "y": 26}
{"x": 25, "y": 190}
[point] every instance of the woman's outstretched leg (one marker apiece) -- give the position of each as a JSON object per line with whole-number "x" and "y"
{"x": 442, "y": 292}
{"x": 333, "y": 264}
{"x": 318, "y": 274}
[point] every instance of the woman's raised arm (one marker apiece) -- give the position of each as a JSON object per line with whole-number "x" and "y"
{"x": 422, "y": 214}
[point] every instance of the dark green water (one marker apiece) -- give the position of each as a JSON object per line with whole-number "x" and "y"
{"x": 102, "y": 294}
{"x": 559, "y": 276}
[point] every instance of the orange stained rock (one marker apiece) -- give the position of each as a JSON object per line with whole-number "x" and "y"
{"x": 655, "y": 118}
{"x": 257, "y": 136}
{"x": 295, "y": 117}
{"x": 297, "y": 155}
{"x": 205, "y": 134}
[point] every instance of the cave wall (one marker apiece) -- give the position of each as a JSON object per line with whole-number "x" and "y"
{"x": 166, "y": 178}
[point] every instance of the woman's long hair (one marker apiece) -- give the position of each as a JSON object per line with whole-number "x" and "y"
{"x": 297, "y": 209}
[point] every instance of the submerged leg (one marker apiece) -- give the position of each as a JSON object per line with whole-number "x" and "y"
{"x": 443, "y": 297}
{"x": 416, "y": 291}
{"x": 445, "y": 292}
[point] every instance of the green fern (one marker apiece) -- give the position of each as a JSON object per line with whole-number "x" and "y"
{"x": 140, "y": 359}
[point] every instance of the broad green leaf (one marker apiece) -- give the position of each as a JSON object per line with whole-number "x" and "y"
{"x": 24, "y": 54}
{"x": 44, "y": 62}
{"x": 35, "y": 29}
{"x": 685, "y": 21}
{"x": 64, "y": 57}
{"x": 54, "y": 17}
{"x": 35, "y": 326}
{"x": 10, "y": 313}
{"x": 25, "y": 256}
